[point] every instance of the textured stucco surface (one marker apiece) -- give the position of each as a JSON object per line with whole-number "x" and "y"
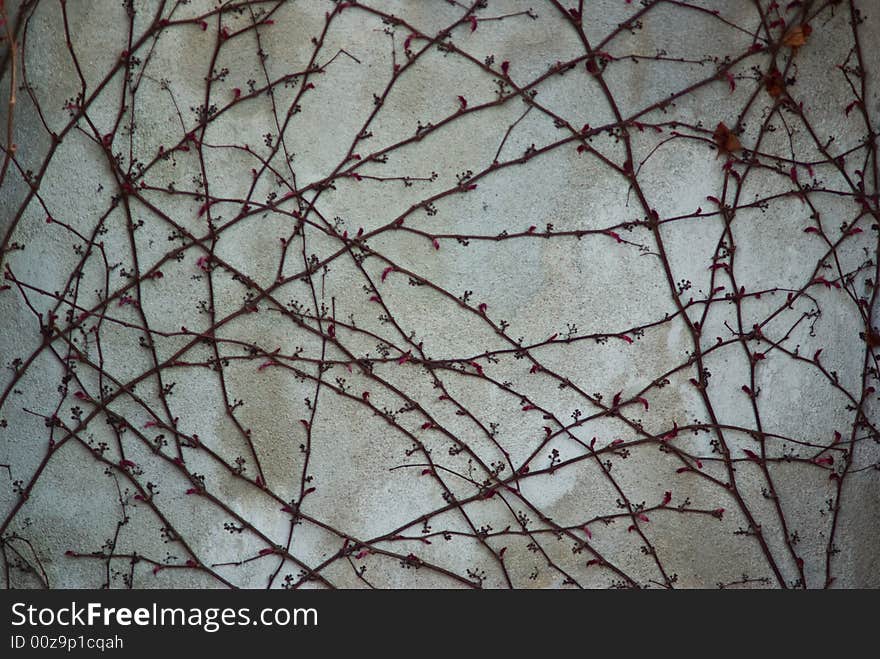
{"x": 368, "y": 474}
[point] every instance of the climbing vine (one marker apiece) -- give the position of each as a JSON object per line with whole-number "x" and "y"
{"x": 447, "y": 293}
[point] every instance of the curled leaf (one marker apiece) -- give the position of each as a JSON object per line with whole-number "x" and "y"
{"x": 725, "y": 140}
{"x": 797, "y": 36}
{"x": 773, "y": 83}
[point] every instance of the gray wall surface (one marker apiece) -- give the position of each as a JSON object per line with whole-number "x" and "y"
{"x": 439, "y": 294}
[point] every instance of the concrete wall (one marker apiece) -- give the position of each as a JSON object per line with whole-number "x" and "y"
{"x": 311, "y": 392}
